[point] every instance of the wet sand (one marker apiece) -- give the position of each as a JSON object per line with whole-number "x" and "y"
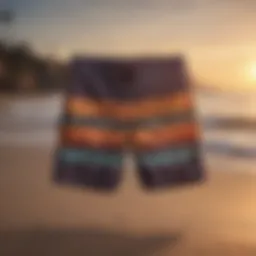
{"x": 38, "y": 217}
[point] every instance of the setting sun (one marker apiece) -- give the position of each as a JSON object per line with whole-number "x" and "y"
{"x": 252, "y": 72}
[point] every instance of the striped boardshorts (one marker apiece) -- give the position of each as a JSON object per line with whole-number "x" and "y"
{"x": 142, "y": 104}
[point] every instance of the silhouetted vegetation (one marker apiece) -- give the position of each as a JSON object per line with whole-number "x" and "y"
{"x": 21, "y": 69}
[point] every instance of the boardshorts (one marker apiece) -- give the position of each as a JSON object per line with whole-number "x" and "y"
{"x": 142, "y": 104}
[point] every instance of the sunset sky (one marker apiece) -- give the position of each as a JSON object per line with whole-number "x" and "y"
{"x": 218, "y": 37}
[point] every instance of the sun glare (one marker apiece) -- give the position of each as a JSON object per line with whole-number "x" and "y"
{"x": 252, "y": 72}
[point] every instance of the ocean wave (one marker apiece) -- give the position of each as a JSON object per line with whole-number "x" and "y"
{"x": 229, "y": 123}
{"x": 221, "y": 148}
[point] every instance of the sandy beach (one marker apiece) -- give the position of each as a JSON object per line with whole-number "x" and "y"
{"x": 215, "y": 218}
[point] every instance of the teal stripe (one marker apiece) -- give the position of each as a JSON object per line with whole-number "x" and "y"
{"x": 147, "y": 123}
{"x": 168, "y": 157}
{"x": 76, "y": 156}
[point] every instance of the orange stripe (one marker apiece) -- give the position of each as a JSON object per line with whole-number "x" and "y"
{"x": 124, "y": 111}
{"x": 92, "y": 137}
{"x": 139, "y": 139}
{"x": 171, "y": 134}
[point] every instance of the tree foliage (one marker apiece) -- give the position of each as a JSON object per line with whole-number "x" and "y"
{"x": 20, "y": 61}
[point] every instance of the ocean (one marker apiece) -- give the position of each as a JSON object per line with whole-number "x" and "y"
{"x": 227, "y": 119}
{"x": 228, "y": 122}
